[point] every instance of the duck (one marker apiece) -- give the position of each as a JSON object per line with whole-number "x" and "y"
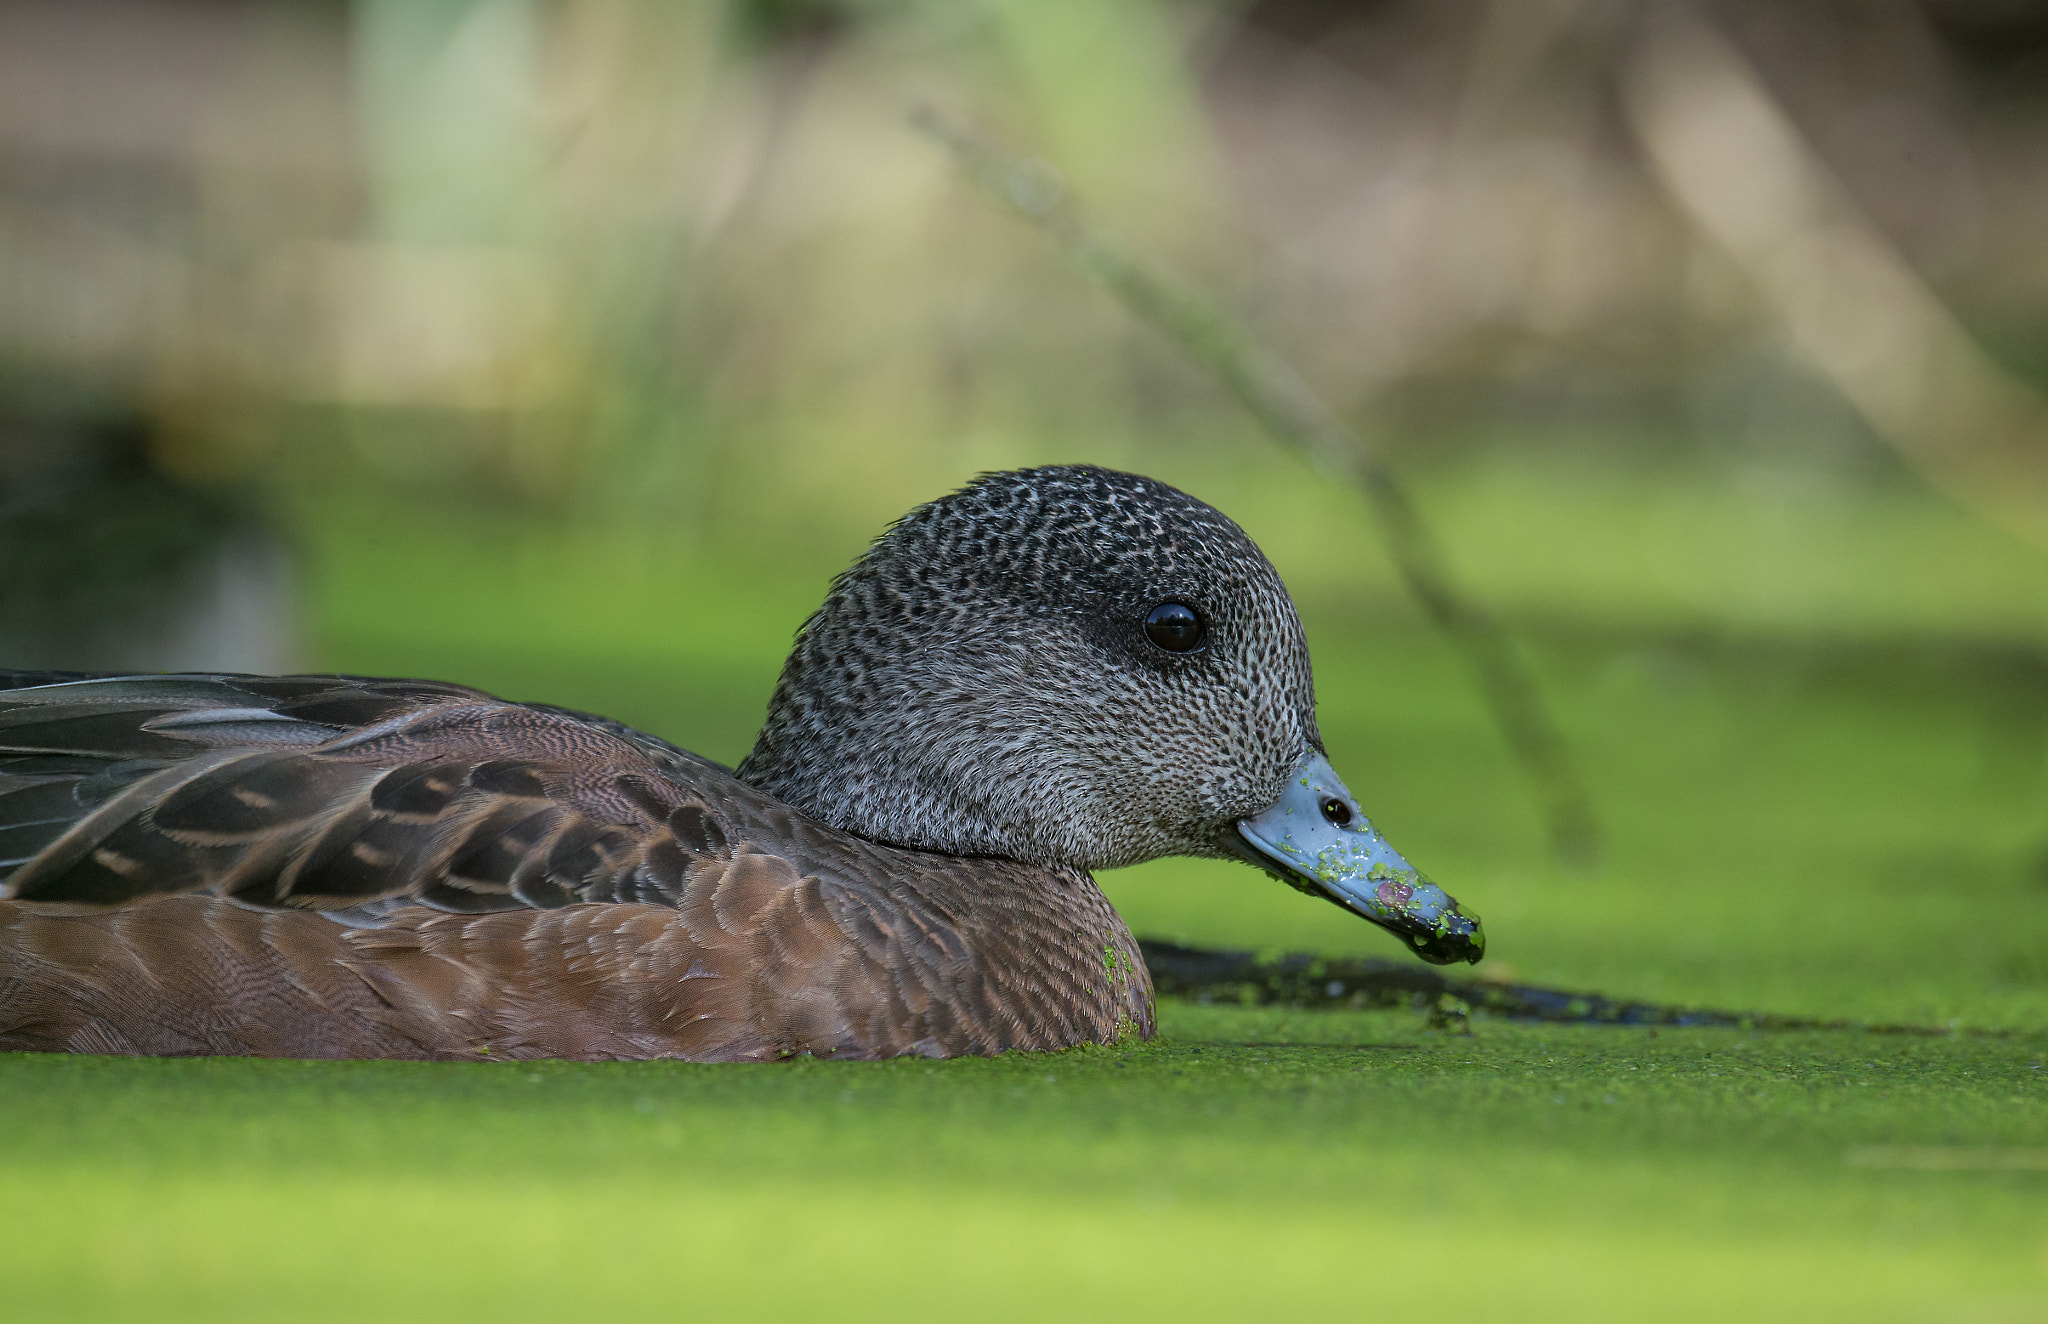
{"x": 1049, "y": 672}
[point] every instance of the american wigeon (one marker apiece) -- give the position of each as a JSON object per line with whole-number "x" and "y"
{"x": 1048, "y": 672}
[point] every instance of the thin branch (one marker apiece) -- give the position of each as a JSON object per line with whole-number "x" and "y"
{"x": 1305, "y": 979}
{"x": 1274, "y": 394}
{"x": 1739, "y": 169}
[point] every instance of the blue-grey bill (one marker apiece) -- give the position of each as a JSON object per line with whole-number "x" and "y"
{"x": 1352, "y": 865}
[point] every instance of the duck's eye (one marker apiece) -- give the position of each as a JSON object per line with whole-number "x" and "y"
{"x": 1174, "y": 627}
{"x": 1337, "y": 812}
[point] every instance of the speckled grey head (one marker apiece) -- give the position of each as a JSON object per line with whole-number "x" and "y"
{"x": 983, "y": 681}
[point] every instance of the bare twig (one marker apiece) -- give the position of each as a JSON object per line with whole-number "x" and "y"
{"x": 1304, "y": 979}
{"x": 1739, "y": 169}
{"x": 1293, "y": 413}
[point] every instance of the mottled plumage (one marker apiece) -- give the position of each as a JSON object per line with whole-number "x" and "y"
{"x": 327, "y": 866}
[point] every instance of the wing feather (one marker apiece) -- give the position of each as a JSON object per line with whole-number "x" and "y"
{"x": 332, "y": 793}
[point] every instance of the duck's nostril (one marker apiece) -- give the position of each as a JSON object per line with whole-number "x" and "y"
{"x": 1337, "y": 811}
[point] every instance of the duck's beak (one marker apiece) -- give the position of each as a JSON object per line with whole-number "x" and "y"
{"x": 1316, "y": 838}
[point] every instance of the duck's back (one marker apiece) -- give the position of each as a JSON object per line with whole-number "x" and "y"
{"x": 321, "y": 866}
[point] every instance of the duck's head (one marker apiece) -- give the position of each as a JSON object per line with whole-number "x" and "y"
{"x": 1083, "y": 668}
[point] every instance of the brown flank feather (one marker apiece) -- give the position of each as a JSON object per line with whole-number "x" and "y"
{"x": 326, "y": 867}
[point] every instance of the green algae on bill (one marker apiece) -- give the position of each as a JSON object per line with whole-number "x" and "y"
{"x": 1317, "y": 840}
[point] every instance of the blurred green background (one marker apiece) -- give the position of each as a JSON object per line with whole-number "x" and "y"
{"x": 567, "y": 348}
